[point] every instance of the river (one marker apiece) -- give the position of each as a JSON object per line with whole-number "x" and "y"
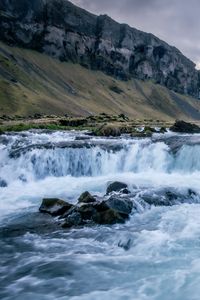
{"x": 155, "y": 255}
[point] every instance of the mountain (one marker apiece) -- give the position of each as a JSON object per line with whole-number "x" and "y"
{"x": 74, "y": 45}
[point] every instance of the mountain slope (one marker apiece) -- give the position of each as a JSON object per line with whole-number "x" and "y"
{"x": 32, "y": 82}
{"x": 65, "y": 31}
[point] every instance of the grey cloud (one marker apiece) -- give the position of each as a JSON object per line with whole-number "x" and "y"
{"x": 175, "y": 21}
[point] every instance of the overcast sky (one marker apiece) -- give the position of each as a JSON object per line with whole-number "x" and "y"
{"x": 175, "y": 21}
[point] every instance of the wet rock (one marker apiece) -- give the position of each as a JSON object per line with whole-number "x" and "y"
{"x": 162, "y": 130}
{"x": 87, "y": 211}
{"x": 184, "y": 127}
{"x": 167, "y": 197}
{"x": 156, "y": 201}
{"x": 125, "y": 191}
{"x": 116, "y": 187}
{"x": 191, "y": 193}
{"x": 171, "y": 195}
{"x": 54, "y": 207}
{"x": 73, "y": 219}
{"x": 160, "y": 198}
{"x": 101, "y": 206}
{"x": 86, "y": 197}
{"x": 114, "y": 210}
{"x": 146, "y": 132}
{"x": 122, "y": 206}
{"x": 148, "y": 129}
{"x": 3, "y": 183}
{"x": 108, "y": 217}
{"x": 126, "y": 245}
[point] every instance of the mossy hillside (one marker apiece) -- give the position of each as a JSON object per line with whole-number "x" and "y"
{"x": 31, "y": 82}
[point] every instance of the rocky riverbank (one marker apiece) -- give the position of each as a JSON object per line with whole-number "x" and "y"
{"x": 99, "y": 125}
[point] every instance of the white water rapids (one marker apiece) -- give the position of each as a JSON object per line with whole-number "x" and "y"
{"x": 155, "y": 255}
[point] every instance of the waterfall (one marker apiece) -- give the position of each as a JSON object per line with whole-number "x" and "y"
{"x": 37, "y": 161}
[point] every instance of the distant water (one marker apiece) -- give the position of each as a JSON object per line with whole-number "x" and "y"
{"x": 155, "y": 255}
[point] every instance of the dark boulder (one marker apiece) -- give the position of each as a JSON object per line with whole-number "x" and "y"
{"x": 101, "y": 206}
{"x": 156, "y": 200}
{"x": 149, "y": 129}
{"x": 167, "y": 197}
{"x": 162, "y": 130}
{"x": 191, "y": 193}
{"x": 86, "y": 197}
{"x": 87, "y": 211}
{"x": 108, "y": 217}
{"x": 111, "y": 211}
{"x": 122, "y": 206}
{"x": 54, "y": 207}
{"x": 125, "y": 191}
{"x": 114, "y": 210}
{"x": 160, "y": 198}
{"x": 116, "y": 187}
{"x": 73, "y": 219}
{"x": 184, "y": 127}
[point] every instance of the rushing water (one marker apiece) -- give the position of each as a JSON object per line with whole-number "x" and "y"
{"x": 155, "y": 255}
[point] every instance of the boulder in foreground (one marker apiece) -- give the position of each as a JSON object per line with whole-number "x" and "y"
{"x": 54, "y": 207}
{"x": 110, "y": 211}
{"x": 116, "y": 186}
{"x": 86, "y": 197}
{"x": 108, "y": 217}
{"x": 73, "y": 219}
{"x": 123, "y": 206}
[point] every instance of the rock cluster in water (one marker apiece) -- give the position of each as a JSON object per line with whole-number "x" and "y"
{"x": 115, "y": 207}
{"x": 112, "y": 209}
{"x": 96, "y": 42}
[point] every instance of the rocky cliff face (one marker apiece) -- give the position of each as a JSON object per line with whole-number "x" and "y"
{"x": 64, "y": 31}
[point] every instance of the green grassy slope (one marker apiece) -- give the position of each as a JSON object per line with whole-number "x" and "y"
{"x": 31, "y": 82}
